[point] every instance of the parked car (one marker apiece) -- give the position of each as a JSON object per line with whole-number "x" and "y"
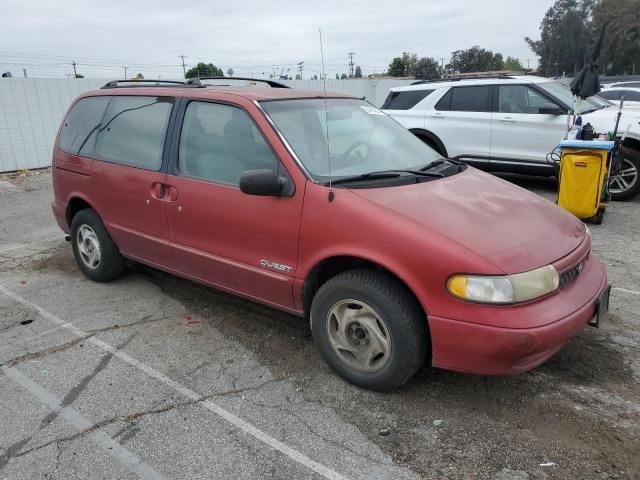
{"x": 628, "y": 84}
{"x": 324, "y": 207}
{"x": 509, "y": 124}
{"x": 615, "y": 94}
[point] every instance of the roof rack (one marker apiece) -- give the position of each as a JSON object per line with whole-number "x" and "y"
{"x": 271, "y": 83}
{"x": 143, "y": 82}
{"x": 471, "y": 77}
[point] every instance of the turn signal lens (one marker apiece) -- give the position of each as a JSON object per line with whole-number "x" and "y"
{"x": 519, "y": 287}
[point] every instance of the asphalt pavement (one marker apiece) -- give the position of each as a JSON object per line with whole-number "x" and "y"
{"x": 152, "y": 376}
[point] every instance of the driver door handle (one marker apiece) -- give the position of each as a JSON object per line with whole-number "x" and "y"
{"x": 507, "y": 120}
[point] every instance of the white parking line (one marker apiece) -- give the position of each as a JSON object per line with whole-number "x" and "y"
{"x": 625, "y": 290}
{"x": 239, "y": 423}
{"x": 26, "y": 245}
{"x": 113, "y": 448}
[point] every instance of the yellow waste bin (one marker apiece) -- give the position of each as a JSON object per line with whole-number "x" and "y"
{"x": 582, "y": 183}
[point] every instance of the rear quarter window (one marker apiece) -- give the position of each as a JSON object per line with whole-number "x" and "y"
{"x": 133, "y": 131}
{"x": 467, "y": 99}
{"x": 80, "y": 128}
{"x": 404, "y": 100}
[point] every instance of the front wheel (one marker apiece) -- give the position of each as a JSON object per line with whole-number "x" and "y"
{"x": 369, "y": 329}
{"x": 625, "y": 184}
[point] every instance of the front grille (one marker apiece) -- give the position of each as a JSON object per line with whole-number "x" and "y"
{"x": 570, "y": 275}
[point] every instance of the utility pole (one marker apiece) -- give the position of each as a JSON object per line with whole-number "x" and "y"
{"x": 528, "y": 64}
{"x": 442, "y": 62}
{"x": 300, "y": 67}
{"x": 351, "y": 64}
{"x": 24, "y": 72}
{"x": 184, "y": 67}
{"x": 125, "y": 71}
{"x": 75, "y": 74}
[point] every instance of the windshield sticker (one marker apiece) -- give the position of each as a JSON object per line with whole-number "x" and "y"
{"x": 371, "y": 110}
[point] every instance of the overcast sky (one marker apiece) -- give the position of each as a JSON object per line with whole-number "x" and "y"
{"x": 251, "y": 36}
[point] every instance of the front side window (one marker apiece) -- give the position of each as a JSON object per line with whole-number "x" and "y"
{"x": 80, "y": 128}
{"x": 348, "y": 137}
{"x": 219, "y": 142}
{"x": 467, "y": 99}
{"x": 519, "y": 99}
{"x": 133, "y": 131}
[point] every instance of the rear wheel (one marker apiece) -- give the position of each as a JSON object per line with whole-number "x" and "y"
{"x": 369, "y": 329}
{"x": 96, "y": 254}
{"x": 625, "y": 184}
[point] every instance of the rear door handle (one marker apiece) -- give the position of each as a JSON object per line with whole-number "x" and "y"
{"x": 437, "y": 115}
{"x": 507, "y": 120}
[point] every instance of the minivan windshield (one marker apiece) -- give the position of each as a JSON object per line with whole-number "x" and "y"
{"x": 563, "y": 93}
{"x": 357, "y": 137}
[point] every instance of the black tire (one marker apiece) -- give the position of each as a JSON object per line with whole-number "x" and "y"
{"x": 111, "y": 264}
{"x": 400, "y": 313}
{"x": 598, "y": 218}
{"x": 632, "y": 156}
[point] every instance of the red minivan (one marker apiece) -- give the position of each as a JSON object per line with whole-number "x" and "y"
{"x": 323, "y": 206}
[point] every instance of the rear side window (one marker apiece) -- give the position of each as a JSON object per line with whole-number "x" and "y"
{"x": 405, "y": 100}
{"x": 467, "y": 99}
{"x": 133, "y": 131}
{"x": 81, "y": 126}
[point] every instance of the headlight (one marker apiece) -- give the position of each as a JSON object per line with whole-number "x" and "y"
{"x": 518, "y": 287}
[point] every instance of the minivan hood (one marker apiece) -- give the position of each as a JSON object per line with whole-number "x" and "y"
{"x": 508, "y": 226}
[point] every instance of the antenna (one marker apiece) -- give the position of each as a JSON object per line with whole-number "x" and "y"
{"x": 326, "y": 119}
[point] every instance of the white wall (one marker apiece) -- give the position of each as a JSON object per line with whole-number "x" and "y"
{"x": 31, "y": 110}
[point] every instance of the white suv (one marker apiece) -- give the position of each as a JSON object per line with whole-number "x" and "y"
{"x": 509, "y": 124}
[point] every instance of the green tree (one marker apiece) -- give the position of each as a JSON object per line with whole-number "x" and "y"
{"x": 513, "y": 64}
{"x": 621, "y": 47}
{"x": 428, "y": 68}
{"x": 337, "y": 76}
{"x": 358, "y": 73}
{"x": 343, "y": 76}
{"x": 230, "y": 72}
{"x": 565, "y": 37}
{"x": 396, "y": 67}
{"x": 204, "y": 70}
{"x": 475, "y": 59}
{"x": 404, "y": 66}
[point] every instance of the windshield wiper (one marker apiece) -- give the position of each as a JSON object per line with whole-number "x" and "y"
{"x": 394, "y": 173}
{"x": 429, "y": 166}
{"x": 366, "y": 176}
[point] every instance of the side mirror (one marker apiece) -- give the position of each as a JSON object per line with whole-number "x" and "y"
{"x": 262, "y": 182}
{"x": 551, "y": 109}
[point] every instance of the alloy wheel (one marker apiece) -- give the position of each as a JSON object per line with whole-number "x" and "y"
{"x": 624, "y": 179}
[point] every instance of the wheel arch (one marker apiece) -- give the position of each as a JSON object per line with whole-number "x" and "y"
{"x": 430, "y": 139}
{"x": 331, "y": 266}
{"x": 632, "y": 144}
{"x": 74, "y": 205}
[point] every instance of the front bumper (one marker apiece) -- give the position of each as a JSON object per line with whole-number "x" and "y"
{"x": 488, "y": 350}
